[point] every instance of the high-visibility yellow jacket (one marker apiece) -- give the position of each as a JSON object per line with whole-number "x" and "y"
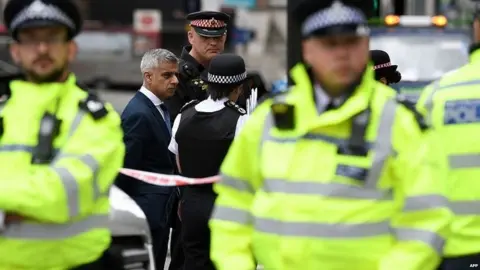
{"x": 65, "y": 201}
{"x": 452, "y": 106}
{"x": 288, "y": 201}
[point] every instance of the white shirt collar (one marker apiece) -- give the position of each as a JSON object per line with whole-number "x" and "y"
{"x": 323, "y": 99}
{"x": 155, "y": 100}
{"x": 210, "y": 105}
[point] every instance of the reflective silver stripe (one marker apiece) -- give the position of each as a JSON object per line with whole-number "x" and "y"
{"x": 382, "y": 147}
{"x": 464, "y": 208}
{"x": 236, "y": 183}
{"x": 68, "y": 179}
{"x": 232, "y": 214}
{"x": 430, "y": 238}
{"x": 70, "y": 184}
{"x": 51, "y": 231}
{"x": 16, "y": 148}
{"x": 424, "y": 202}
{"x": 325, "y": 189}
{"x": 323, "y": 230}
{"x": 429, "y": 102}
{"x": 459, "y": 84}
{"x": 76, "y": 123}
{"x": 464, "y": 161}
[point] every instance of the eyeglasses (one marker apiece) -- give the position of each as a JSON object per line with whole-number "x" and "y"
{"x": 48, "y": 41}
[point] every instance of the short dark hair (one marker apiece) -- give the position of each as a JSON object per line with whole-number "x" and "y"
{"x": 218, "y": 92}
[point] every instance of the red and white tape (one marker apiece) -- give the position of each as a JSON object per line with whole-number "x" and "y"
{"x": 166, "y": 179}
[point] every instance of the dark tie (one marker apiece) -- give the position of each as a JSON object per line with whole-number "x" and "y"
{"x": 166, "y": 117}
{"x": 330, "y": 106}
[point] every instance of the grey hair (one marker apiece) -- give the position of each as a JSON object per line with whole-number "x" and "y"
{"x": 154, "y": 57}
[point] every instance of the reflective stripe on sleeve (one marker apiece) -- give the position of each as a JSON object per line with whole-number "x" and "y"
{"x": 464, "y": 208}
{"x": 325, "y": 189}
{"x": 231, "y": 214}
{"x": 382, "y": 147}
{"x": 430, "y": 238}
{"x": 16, "y": 148}
{"x": 464, "y": 161}
{"x": 25, "y": 230}
{"x": 236, "y": 183}
{"x": 321, "y": 230}
{"x": 424, "y": 202}
{"x": 70, "y": 184}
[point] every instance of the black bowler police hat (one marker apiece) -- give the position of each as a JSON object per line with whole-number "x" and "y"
{"x": 226, "y": 69}
{"x": 332, "y": 17}
{"x": 21, "y": 14}
{"x": 209, "y": 23}
{"x": 381, "y": 63}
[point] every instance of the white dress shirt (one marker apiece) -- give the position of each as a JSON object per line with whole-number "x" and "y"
{"x": 323, "y": 99}
{"x": 154, "y": 99}
{"x": 208, "y": 105}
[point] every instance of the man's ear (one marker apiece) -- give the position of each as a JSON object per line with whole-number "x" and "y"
{"x": 14, "y": 52}
{"x": 72, "y": 51}
{"x": 191, "y": 37}
{"x": 307, "y": 56}
{"x": 147, "y": 77}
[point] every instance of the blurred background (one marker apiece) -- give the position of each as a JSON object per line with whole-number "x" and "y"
{"x": 423, "y": 44}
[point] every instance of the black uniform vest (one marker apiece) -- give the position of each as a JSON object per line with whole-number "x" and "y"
{"x": 203, "y": 140}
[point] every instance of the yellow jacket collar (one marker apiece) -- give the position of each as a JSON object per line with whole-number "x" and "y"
{"x": 53, "y": 88}
{"x": 302, "y": 93}
{"x": 475, "y": 56}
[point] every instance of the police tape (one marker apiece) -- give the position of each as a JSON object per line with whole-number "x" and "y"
{"x": 166, "y": 179}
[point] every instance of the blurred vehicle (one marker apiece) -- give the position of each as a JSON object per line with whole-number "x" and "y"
{"x": 423, "y": 47}
{"x": 131, "y": 241}
{"x": 110, "y": 58}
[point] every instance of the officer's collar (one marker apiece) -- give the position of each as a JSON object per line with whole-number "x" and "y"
{"x": 190, "y": 59}
{"x": 350, "y": 89}
{"x": 475, "y": 53}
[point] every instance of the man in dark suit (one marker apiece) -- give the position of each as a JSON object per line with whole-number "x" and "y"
{"x": 147, "y": 127}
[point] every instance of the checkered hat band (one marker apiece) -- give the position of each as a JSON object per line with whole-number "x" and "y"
{"x": 40, "y": 11}
{"x": 208, "y": 23}
{"x": 212, "y": 78}
{"x": 331, "y": 16}
{"x": 382, "y": 66}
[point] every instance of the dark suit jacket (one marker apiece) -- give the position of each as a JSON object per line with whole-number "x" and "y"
{"x": 146, "y": 138}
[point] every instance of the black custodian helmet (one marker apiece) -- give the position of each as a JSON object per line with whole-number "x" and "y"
{"x": 21, "y": 14}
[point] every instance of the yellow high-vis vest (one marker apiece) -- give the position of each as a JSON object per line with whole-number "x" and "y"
{"x": 63, "y": 199}
{"x": 451, "y": 106}
{"x": 299, "y": 199}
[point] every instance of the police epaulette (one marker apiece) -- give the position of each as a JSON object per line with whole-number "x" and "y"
{"x": 188, "y": 71}
{"x": 411, "y": 107}
{"x": 232, "y": 105}
{"x": 94, "y": 105}
{"x": 189, "y": 105}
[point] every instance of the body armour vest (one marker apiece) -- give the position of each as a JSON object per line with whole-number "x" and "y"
{"x": 203, "y": 140}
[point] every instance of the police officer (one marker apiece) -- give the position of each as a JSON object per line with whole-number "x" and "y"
{"x": 385, "y": 71}
{"x": 452, "y": 106}
{"x": 207, "y": 38}
{"x": 60, "y": 147}
{"x": 335, "y": 173}
{"x": 201, "y": 136}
